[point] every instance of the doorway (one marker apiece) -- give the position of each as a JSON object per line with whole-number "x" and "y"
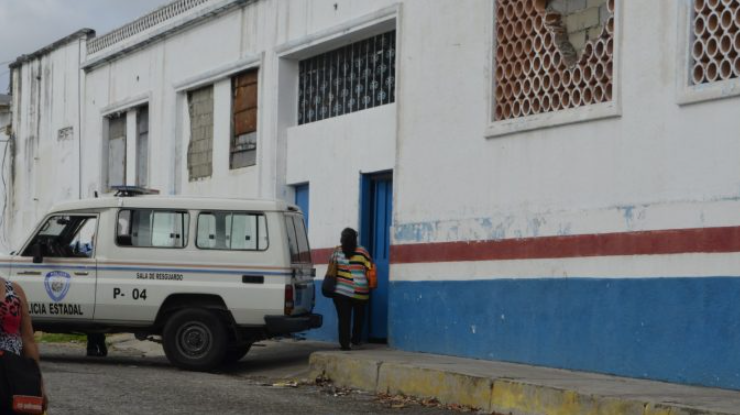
{"x": 376, "y": 219}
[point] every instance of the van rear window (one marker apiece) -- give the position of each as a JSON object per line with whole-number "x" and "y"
{"x": 300, "y": 251}
{"x": 232, "y": 231}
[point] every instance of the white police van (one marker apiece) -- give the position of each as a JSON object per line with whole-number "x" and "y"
{"x": 211, "y": 276}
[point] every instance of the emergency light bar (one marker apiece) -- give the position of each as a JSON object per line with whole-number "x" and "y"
{"x": 133, "y": 191}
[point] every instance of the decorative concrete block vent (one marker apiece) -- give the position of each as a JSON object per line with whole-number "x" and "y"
{"x": 715, "y": 46}
{"x": 552, "y": 55}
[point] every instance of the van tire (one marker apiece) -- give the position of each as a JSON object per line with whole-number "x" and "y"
{"x": 195, "y": 339}
{"x": 236, "y": 353}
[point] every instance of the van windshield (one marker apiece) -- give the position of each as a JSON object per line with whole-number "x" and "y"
{"x": 300, "y": 251}
{"x": 65, "y": 236}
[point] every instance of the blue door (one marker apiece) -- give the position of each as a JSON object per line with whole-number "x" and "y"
{"x": 301, "y": 200}
{"x": 377, "y": 219}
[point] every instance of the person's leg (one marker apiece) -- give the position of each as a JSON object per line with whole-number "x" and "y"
{"x": 358, "y": 317}
{"x": 344, "y": 309}
{"x": 96, "y": 345}
{"x": 6, "y": 407}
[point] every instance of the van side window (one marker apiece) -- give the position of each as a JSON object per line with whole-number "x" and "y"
{"x": 297, "y": 239}
{"x": 232, "y": 231}
{"x": 152, "y": 228}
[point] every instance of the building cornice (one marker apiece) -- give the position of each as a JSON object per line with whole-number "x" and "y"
{"x": 172, "y": 18}
{"x": 80, "y": 34}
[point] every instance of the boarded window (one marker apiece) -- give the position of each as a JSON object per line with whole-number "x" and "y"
{"x": 116, "y": 150}
{"x": 200, "y": 149}
{"x": 142, "y": 146}
{"x": 244, "y": 108}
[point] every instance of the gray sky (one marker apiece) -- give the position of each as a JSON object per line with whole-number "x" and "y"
{"x": 29, "y": 25}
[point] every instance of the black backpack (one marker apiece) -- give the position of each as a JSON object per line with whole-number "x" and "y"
{"x": 20, "y": 384}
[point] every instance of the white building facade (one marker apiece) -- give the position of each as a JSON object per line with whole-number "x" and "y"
{"x": 5, "y": 132}
{"x": 544, "y": 182}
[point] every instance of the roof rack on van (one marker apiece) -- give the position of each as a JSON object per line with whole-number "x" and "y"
{"x": 132, "y": 191}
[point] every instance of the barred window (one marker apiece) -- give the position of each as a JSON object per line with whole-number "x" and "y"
{"x": 349, "y": 79}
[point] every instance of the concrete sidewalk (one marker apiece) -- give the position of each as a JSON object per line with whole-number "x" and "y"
{"x": 506, "y": 388}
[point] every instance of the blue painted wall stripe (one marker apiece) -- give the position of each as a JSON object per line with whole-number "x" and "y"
{"x": 684, "y": 330}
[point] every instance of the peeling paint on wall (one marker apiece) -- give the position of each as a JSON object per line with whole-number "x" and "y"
{"x": 621, "y": 218}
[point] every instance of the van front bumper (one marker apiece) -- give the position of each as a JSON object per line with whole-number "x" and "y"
{"x": 277, "y": 325}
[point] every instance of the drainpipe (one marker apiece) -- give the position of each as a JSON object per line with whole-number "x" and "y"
{"x": 79, "y": 121}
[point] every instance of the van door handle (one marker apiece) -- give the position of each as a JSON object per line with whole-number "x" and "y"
{"x": 82, "y": 273}
{"x": 29, "y": 273}
{"x": 253, "y": 279}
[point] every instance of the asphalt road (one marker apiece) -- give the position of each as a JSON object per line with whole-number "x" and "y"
{"x": 137, "y": 379}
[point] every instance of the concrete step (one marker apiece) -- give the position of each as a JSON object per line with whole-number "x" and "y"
{"x": 506, "y": 388}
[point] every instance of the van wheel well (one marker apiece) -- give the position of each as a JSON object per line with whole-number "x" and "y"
{"x": 177, "y": 302}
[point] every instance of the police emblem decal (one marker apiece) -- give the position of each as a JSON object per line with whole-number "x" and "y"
{"x": 57, "y": 285}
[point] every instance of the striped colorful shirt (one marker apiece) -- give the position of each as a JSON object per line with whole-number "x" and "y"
{"x": 352, "y": 273}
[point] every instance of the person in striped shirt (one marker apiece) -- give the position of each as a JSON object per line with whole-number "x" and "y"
{"x": 352, "y": 291}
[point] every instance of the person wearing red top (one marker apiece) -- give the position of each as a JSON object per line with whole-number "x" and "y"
{"x": 16, "y": 331}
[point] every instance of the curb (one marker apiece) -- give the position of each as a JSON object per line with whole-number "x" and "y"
{"x": 490, "y": 394}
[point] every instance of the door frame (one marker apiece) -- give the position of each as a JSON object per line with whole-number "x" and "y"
{"x": 367, "y": 194}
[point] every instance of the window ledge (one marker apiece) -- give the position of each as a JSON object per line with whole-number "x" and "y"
{"x": 554, "y": 119}
{"x": 241, "y": 169}
{"x": 709, "y": 92}
{"x": 687, "y": 94}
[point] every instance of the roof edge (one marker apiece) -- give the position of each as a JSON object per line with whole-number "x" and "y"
{"x": 82, "y": 33}
{"x": 98, "y": 56}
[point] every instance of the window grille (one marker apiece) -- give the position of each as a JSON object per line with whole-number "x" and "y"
{"x": 349, "y": 79}
{"x": 715, "y": 46}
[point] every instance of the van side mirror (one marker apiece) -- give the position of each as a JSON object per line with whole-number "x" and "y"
{"x": 38, "y": 256}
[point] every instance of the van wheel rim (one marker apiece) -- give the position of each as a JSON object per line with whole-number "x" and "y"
{"x": 194, "y": 340}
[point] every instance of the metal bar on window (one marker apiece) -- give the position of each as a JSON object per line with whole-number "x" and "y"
{"x": 348, "y": 79}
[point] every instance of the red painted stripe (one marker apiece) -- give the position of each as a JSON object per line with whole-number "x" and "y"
{"x": 678, "y": 241}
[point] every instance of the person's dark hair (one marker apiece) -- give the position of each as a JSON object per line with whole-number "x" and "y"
{"x": 349, "y": 242}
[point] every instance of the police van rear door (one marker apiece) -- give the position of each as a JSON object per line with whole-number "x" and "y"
{"x": 300, "y": 259}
